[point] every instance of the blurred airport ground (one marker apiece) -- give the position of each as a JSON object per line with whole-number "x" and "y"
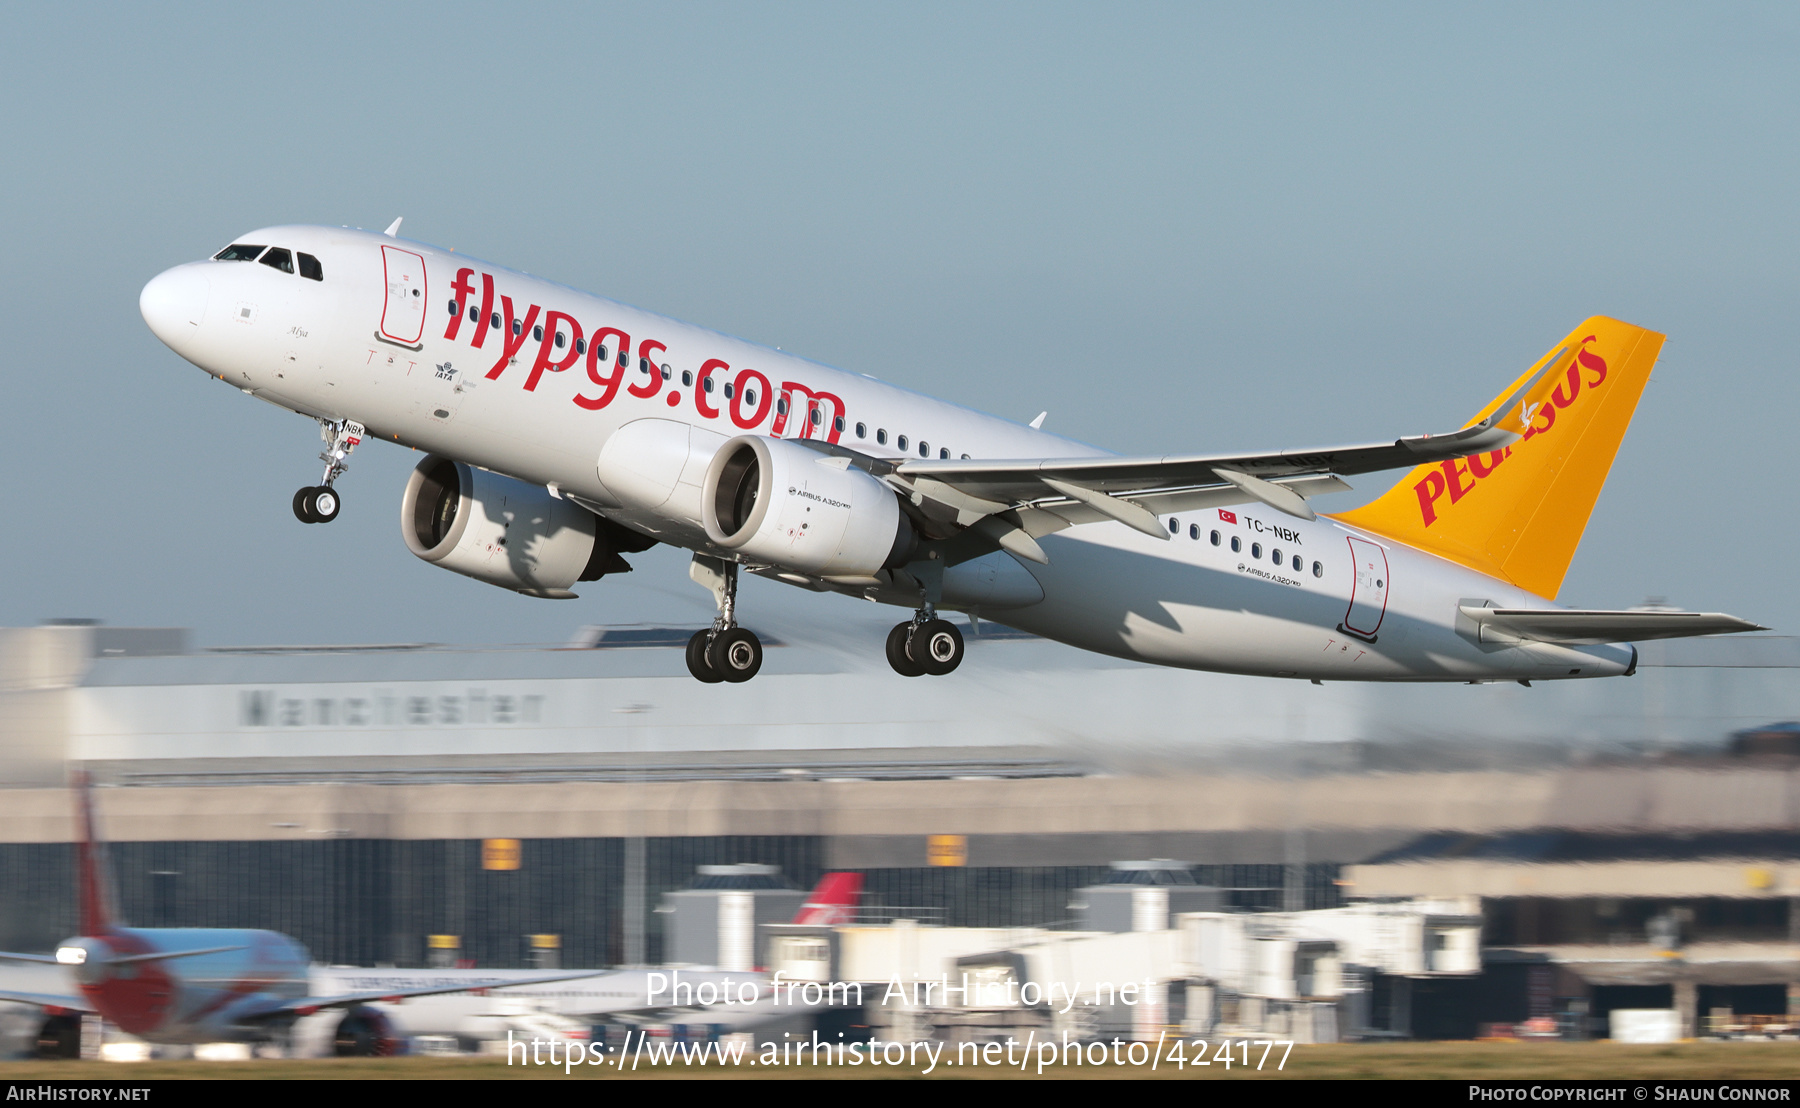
{"x": 1350, "y": 860}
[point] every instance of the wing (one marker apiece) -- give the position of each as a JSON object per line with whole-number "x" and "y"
{"x": 1011, "y": 503}
{"x": 1577, "y": 627}
{"x": 48, "y": 1000}
{"x": 307, "y": 1005}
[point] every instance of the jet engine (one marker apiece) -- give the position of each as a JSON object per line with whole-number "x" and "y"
{"x": 508, "y": 533}
{"x": 365, "y": 1033}
{"x": 776, "y": 501}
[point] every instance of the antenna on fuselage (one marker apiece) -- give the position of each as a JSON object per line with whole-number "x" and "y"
{"x": 393, "y": 228}
{"x": 1036, "y": 424}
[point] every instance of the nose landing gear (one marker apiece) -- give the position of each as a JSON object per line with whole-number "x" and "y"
{"x": 319, "y": 503}
{"x": 724, "y": 651}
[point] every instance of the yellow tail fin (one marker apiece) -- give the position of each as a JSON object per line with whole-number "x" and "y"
{"x": 1518, "y": 514}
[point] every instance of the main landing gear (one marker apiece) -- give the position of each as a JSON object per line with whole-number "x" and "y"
{"x": 924, "y": 644}
{"x": 724, "y": 651}
{"x": 319, "y": 503}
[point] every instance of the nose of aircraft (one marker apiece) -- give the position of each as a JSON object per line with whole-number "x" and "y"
{"x": 174, "y": 303}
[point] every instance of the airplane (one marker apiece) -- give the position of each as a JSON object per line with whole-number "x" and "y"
{"x": 697, "y": 996}
{"x": 563, "y": 430}
{"x": 199, "y": 984}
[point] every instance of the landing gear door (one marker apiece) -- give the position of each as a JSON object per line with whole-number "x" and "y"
{"x": 1368, "y": 588}
{"x": 403, "y": 316}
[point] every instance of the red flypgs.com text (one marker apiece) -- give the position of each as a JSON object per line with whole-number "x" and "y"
{"x": 745, "y": 395}
{"x": 1459, "y": 476}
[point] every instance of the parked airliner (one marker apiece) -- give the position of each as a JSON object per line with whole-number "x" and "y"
{"x": 209, "y": 984}
{"x": 200, "y": 984}
{"x": 563, "y": 430}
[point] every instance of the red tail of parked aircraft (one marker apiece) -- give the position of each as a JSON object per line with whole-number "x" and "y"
{"x": 833, "y": 902}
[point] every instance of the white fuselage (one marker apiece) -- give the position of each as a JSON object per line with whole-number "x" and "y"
{"x": 729, "y": 1001}
{"x": 373, "y": 342}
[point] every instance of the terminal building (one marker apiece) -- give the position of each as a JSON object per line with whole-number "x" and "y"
{"x": 417, "y": 804}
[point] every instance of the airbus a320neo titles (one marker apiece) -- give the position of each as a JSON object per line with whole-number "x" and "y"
{"x": 563, "y": 430}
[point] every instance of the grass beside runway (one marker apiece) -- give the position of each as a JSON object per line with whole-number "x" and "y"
{"x": 1459, "y": 1061}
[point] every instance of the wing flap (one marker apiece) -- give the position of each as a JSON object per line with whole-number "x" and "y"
{"x": 1575, "y": 627}
{"x": 1014, "y": 481}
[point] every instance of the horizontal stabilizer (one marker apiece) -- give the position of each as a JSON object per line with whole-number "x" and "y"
{"x": 1577, "y": 627}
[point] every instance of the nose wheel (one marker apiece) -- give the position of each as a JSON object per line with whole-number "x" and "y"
{"x": 320, "y": 503}
{"x": 724, "y": 651}
{"x": 924, "y": 645}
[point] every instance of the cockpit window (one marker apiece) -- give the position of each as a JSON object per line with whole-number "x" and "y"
{"x": 277, "y": 258}
{"x": 313, "y": 271}
{"x": 238, "y": 252}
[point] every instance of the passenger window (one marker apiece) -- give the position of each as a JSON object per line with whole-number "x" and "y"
{"x": 1318, "y": 569}
{"x": 687, "y": 378}
{"x": 862, "y": 430}
{"x": 1275, "y": 556}
{"x": 474, "y": 314}
{"x": 901, "y": 442}
{"x": 239, "y": 252}
{"x": 707, "y": 384}
{"x": 881, "y": 435}
{"x": 924, "y": 450}
{"x": 518, "y": 327}
{"x": 812, "y": 414}
{"x": 562, "y": 340}
{"x": 599, "y": 355}
{"x": 1237, "y": 545}
{"x": 581, "y": 346}
{"x": 1298, "y": 564}
{"x": 494, "y": 321}
{"x": 727, "y": 390}
{"x": 1256, "y": 550}
{"x": 1194, "y": 531}
{"x": 1174, "y": 526}
{"x": 750, "y": 397}
{"x": 313, "y": 271}
{"x": 277, "y": 258}
{"x": 537, "y": 333}
{"x": 667, "y": 372}
{"x": 1215, "y": 538}
{"x": 452, "y": 307}
{"x": 781, "y": 406}
{"x": 944, "y": 453}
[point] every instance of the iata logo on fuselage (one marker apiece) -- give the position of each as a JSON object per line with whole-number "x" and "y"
{"x": 1460, "y": 476}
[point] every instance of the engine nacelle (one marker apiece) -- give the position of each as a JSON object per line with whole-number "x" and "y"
{"x": 502, "y": 531}
{"x": 775, "y": 501}
{"x": 365, "y": 1033}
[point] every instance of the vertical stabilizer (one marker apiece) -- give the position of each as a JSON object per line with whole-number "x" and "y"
{"x": 90, "y": 863}
{"x": 834, "y": 901}
{"x": 1517, "y": 514}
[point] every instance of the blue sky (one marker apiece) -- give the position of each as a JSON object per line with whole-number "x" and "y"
{"x": 1182, "y": 227}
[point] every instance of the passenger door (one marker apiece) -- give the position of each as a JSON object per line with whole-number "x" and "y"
{"x": 403, "y": 316}
{"x": 1368, "y": 588}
